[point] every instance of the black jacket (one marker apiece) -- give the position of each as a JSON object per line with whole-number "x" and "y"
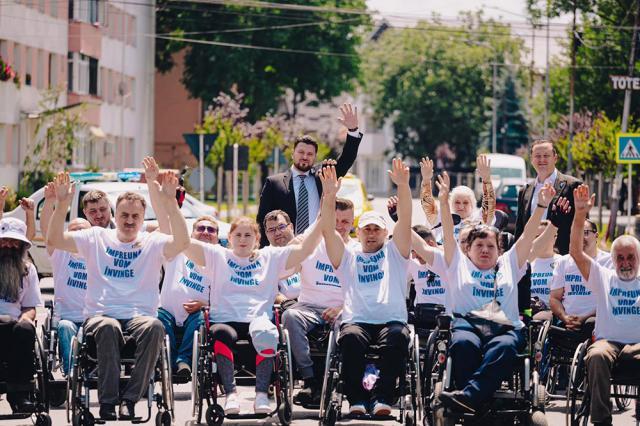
{"x": 564, "y": 186}
{"x": 277, "y": 192}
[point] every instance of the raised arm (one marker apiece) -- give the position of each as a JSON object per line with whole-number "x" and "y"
{"x": 195, "y": 252}
{"x": 180, "y": 234}
{"x": 583, "y": 201}
{"x": 429, "y": 205}
{"x": 349, "y": 152}
{"x": 542, "y": 241}
{"x": 399, "y": 174}
{"x": 152, "y": 173}
{"x": 524, "y": 243}
{"x": 57, "y": 238}
{"x": 483, "y": 167}
{"x": 28, "y": 205}
{"x": 424, "y": 250}
{"x": 47, "y": 211}
{"x": 333, "y": 240}
{"x": 449, "y": 240}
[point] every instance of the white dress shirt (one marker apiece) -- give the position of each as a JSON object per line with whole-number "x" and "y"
{"x": 551, "y": 180}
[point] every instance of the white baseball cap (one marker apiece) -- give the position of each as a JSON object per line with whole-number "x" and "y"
{"x": 15, "y": 229}
{"x": 372, "y": 218}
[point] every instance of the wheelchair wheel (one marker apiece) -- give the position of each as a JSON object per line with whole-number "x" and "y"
{"x": 167, "y": 385}
{"x": 327, "y": 379}
{"x": 42, "y": 372}
{"x": 416, "y": 381}
{"x": 163, "y": 418}
{"x": 578, "y": 400}
{"x": 284, "y": 381}
{"x": 537, "y": 418}
{"x": 215, "y": 415}
{"x": 409, "y": 418}
{"x": 84, "y": 418}
{"x": 331, "y": 415}
{"x": 622, "y": 403}
{"x": 195, "y": 373}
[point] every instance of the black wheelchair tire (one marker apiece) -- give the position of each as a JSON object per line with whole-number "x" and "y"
{"x": 330, "y": 416}
{"x": 622, "y": 403}
{"x": 214, "y": 415}
{"x": 578, "y": 410}
{"x": 163, "y": 418}
{"x": 538, "y": 418}
{"x": 57, "y": 396}
{"x": 409, "y": 419}
{"x": 43, "y": 419}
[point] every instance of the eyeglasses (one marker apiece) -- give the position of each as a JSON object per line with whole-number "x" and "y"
{"x": 587, "y": 231}
{"x": 209, "y": 229}
{"x": 280, "y": 228}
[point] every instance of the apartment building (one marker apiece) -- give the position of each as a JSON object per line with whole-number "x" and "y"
{"x": 100, "y": 53}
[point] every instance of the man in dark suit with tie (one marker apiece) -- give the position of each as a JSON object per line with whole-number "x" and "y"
{"x": 543, "y": 158}
{"x": 298, "y": 190}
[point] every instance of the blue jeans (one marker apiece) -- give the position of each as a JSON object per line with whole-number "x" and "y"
{"x": 66, "y": 330}
{"x": 191, "y": 324}
{"x": 480, "y": 366}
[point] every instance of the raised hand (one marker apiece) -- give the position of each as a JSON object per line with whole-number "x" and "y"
{"x": 483, "y": 167}
{"x": 444, "y": 186}
{"x": 151, "y": 169}
{"x": 426, "y": 169}
{"x": 349, "y": 117}
{"x": 545, "y": 195}
{"x": 330, "y": 181}
{"x": 50, "y": 191}
{"x": 4, "y": 193}
{"x": 583, "y": 200}
{"x": 326, "y": 163}
{"x": 399, "y": 172}
{"x": 27, "y": 204}
{"x": 561, "y": 207}
{"x": 169, "y": 185}
{"x": 64, "y": 188}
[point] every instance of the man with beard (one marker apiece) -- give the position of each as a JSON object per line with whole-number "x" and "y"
{"x": 19, "y": 296}
{"x": 279, "y": 230}
{"x": 95, "y": 206}
{"x": 298, "y": 190}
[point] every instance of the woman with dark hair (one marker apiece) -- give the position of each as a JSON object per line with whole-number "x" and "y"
{"x": 477, "y": 278}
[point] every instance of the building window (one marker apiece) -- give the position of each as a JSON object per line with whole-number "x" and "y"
{"x": 3, "y": 143}
{"x": 15, "y": 150}
{"x": 53, "y": 70}
{"x": 83, "y": 74}
{"x": 4, "y": 50}
{"x": 40, "y": 74}
{"x": 28, "y": 65}
{"x": 91, "y": 11}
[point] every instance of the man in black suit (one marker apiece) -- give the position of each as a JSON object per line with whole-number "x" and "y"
{"x": 543, "y": 158}
{"x": 298, "y": 190}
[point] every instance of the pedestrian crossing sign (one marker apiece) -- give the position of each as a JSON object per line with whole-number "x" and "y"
{"x": 628, "y": 148}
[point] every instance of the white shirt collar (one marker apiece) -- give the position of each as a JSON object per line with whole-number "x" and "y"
{"x": 551, "y": 180}
{"x": 295, "y": 172}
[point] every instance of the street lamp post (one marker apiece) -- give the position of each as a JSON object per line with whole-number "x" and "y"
{"x": 494, "y": 118}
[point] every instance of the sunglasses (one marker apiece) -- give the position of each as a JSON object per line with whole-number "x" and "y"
{"x": 209, "y": 229}
{"x": 280, "y": 228}
{"x": 587, "y": 231}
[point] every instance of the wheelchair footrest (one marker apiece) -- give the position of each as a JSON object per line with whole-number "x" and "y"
{"x": 369, "y": 417}
{"x": 247, "y": 416}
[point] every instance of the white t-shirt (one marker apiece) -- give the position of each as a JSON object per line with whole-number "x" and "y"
{"x": 541, "y": 275}
{"x": 184, "y": 281}
{"x": 320, "y": 284}
{"x": 577, "y": 298}
{"x": 290, "y": 286}
{"x": 374, "y": 285}
{"x": 28, "y": 296}
{"x": 123, "y": 278}
{"x": 243, "y": 288}
{"x": 618, "y": 305}
{"x": 428, "y": 284}
{"x": 69, "y": 285}
{"x": 470, "y": 288}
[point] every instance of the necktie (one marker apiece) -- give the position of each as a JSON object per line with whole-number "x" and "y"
{"x": 302, "y": 207}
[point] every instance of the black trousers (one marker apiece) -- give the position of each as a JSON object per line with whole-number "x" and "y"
{"x": 18, "y": 339}
{"x": 355, "y": 340}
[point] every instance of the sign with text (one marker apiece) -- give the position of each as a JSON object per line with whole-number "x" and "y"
{"x": 623, "y": 82}
{"x": 628, "y": 148}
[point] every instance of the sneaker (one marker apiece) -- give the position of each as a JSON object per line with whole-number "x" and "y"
{"x": 357, "y": 409}
{"x": 262, "y": 404}
{"x": 309, "y": 395}
{"x": 231, "y": 404}
{"x": 381, "y": 409}
{"x": 183, "y": 370}
{"x": 108, "y": 412}
{"x": 127, "y": 410}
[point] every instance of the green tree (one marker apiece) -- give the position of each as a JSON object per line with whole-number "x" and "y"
{"x": 513, "y": 129}
{"x": 263, "y": 76}
{"x": 435, "y": 86}
{"x": 56, "y": 135}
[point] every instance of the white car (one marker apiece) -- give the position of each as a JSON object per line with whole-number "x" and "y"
{"x": 192, "y": 208}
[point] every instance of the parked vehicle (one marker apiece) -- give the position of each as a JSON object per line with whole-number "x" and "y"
{"x": 353, "y": 189}
{"x": 507, "y": 199}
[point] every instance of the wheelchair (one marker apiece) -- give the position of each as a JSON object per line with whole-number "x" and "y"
{"x": 84, "y": 377}
{"x": 520, "y": 399}
{"x": 206, "y": 385}
{"x": 555, "y": 348}
{"x": 408, "y": 389}
{"x": 57, "y": 387}
{"x": 37, "y": 386}
{"x": 318, "y": 343}
{"x": 625, "y": 383}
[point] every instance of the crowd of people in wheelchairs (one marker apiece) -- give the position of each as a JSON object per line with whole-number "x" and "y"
{"x": 454, "y": 321}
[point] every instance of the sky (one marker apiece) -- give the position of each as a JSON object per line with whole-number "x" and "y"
{"x": 406, "y": 12}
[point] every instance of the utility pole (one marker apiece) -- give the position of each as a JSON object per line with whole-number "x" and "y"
{"x": 546, "y": 81}
{"x": 617, "y": 183}
{"x": 494, "y": 113}
{"x": 572, "y": 83}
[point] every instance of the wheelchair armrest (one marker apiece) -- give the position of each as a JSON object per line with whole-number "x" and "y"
{"x": 444, "y": 322}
